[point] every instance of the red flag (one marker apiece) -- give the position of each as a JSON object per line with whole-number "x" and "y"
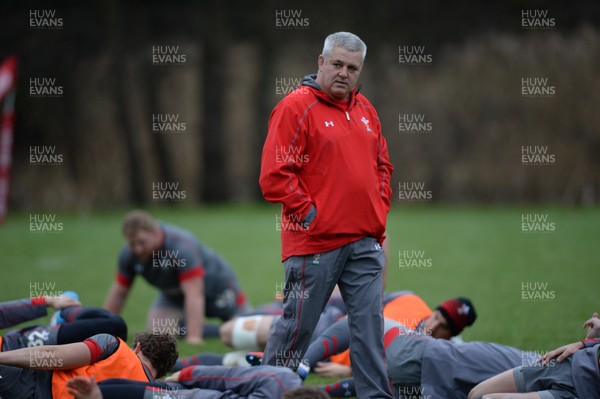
{"x": 8, "y": 82}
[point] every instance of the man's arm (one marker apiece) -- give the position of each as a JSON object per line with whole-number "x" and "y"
{"x": 283, "y": 151}
{"x": 384, "y": 168}
{"x": 46, "y": 357}
{"x": 21, "y": 310}
{"x": 194, "y": 304}
{"x": 116, "y": 297}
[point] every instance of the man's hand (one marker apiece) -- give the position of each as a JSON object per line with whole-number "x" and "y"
{"x": 173, "y": 377}
{"x": 61, "y": 302}
{"x": 593, "y": 326}
{"x": 194, "y": 340}
{"x": 563, "y": 352}
{"x": 333, "y": 370}
{"x": 84, "y": 388}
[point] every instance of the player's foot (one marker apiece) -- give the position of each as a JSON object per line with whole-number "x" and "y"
{"x": 254, "y": 358}
{"x": 57, "y": 318}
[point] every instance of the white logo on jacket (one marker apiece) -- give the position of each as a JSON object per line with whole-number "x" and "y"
{"x": 366, "y": 122}
{"x": 328, "y": 123}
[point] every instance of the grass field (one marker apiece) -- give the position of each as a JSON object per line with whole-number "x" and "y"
{"x": 478, "y": 252}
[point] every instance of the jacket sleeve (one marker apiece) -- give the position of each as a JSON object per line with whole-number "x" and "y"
{"x": 283, "y": 152}
{"x": 384, "y": 168}
{"x": 21, "y": 310}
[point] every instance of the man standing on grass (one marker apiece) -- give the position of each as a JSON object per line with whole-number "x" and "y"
{"x": 326, "y": 161}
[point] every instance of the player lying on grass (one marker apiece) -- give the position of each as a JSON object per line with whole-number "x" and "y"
{"x": 196, "y": 382}
{"x": 76, "y": 322}
{"x": 193, "y": 280}
{"x": 423, "y": 366}
{"x": 571, "y": 371}
{"x": 402, "y": 309}
{"x": 43, "y": 371}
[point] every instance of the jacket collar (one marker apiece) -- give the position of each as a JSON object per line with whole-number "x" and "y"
{"x": 310, "y": 81}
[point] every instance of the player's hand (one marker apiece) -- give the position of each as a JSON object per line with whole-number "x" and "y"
{"x": 173, "y": 377}
{"x": 84, "y": 388}
{"x": 61, "y": 302}
{"x": 194, "y": 340}
{"x": 563, "y": 352}
{"x": 333, "y": 370}
{"x": 593, "y": 326}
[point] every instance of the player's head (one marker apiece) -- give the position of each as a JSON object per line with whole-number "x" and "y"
{"x": 450, "y": 318}
{"x": 305, "y": 392}
{"x": 142, "y": 233}
{"x": 340, "y": 64}
{"x": 159, "y": 349}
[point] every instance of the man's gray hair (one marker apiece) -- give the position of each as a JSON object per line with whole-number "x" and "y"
{"x": 346, "y": 40}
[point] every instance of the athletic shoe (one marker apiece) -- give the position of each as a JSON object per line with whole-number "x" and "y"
{"x": 57, "y": 318}
{"x": 254, "y": 358}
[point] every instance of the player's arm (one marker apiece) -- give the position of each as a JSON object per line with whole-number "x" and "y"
{"x": 117, "y": 295}
{"x": 568, "y": 350}
{"x": 68, "y": 356}
{"x": 279, "y": 182}
{"x": 194, "y": 304}
{"x": 21, "y": 310}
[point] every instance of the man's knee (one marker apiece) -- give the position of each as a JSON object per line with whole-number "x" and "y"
{"x": 243, "y": 332}
{"x": 226, "y": 330}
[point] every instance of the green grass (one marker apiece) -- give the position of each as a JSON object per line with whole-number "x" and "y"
{"x": 477, "y": 252}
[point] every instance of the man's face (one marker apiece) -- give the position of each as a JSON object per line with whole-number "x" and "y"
{"x": 437, "y": 326}
{"x": 339, "y": 72}
{"x": 142, "y": 243}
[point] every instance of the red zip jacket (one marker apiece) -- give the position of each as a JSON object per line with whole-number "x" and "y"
{"x": 329, "y": 155}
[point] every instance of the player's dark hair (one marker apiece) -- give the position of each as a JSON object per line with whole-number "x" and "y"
{"x": 305, "y": 392}
{"x": 160, "y": 349}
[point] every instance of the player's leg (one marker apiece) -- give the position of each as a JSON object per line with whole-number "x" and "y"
{"x": 503, "y": 382}
{"x": 332, "y": 341}
{"x": 242, "y": 382}
{"x": 246, "y": 332}
{"x": 85, "y": 388}
{"x": 309, "y": 281}
{"x": 330, "y": 315}
{"x": 85, "y": 321}
{"x": 361, "y": 286}
{"x": 204, "y": 359}
{"x": 534, "y": 382}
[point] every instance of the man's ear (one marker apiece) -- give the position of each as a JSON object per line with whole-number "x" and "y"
{"x": 320, "y": 61}
{"x": 137, "y": 349}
